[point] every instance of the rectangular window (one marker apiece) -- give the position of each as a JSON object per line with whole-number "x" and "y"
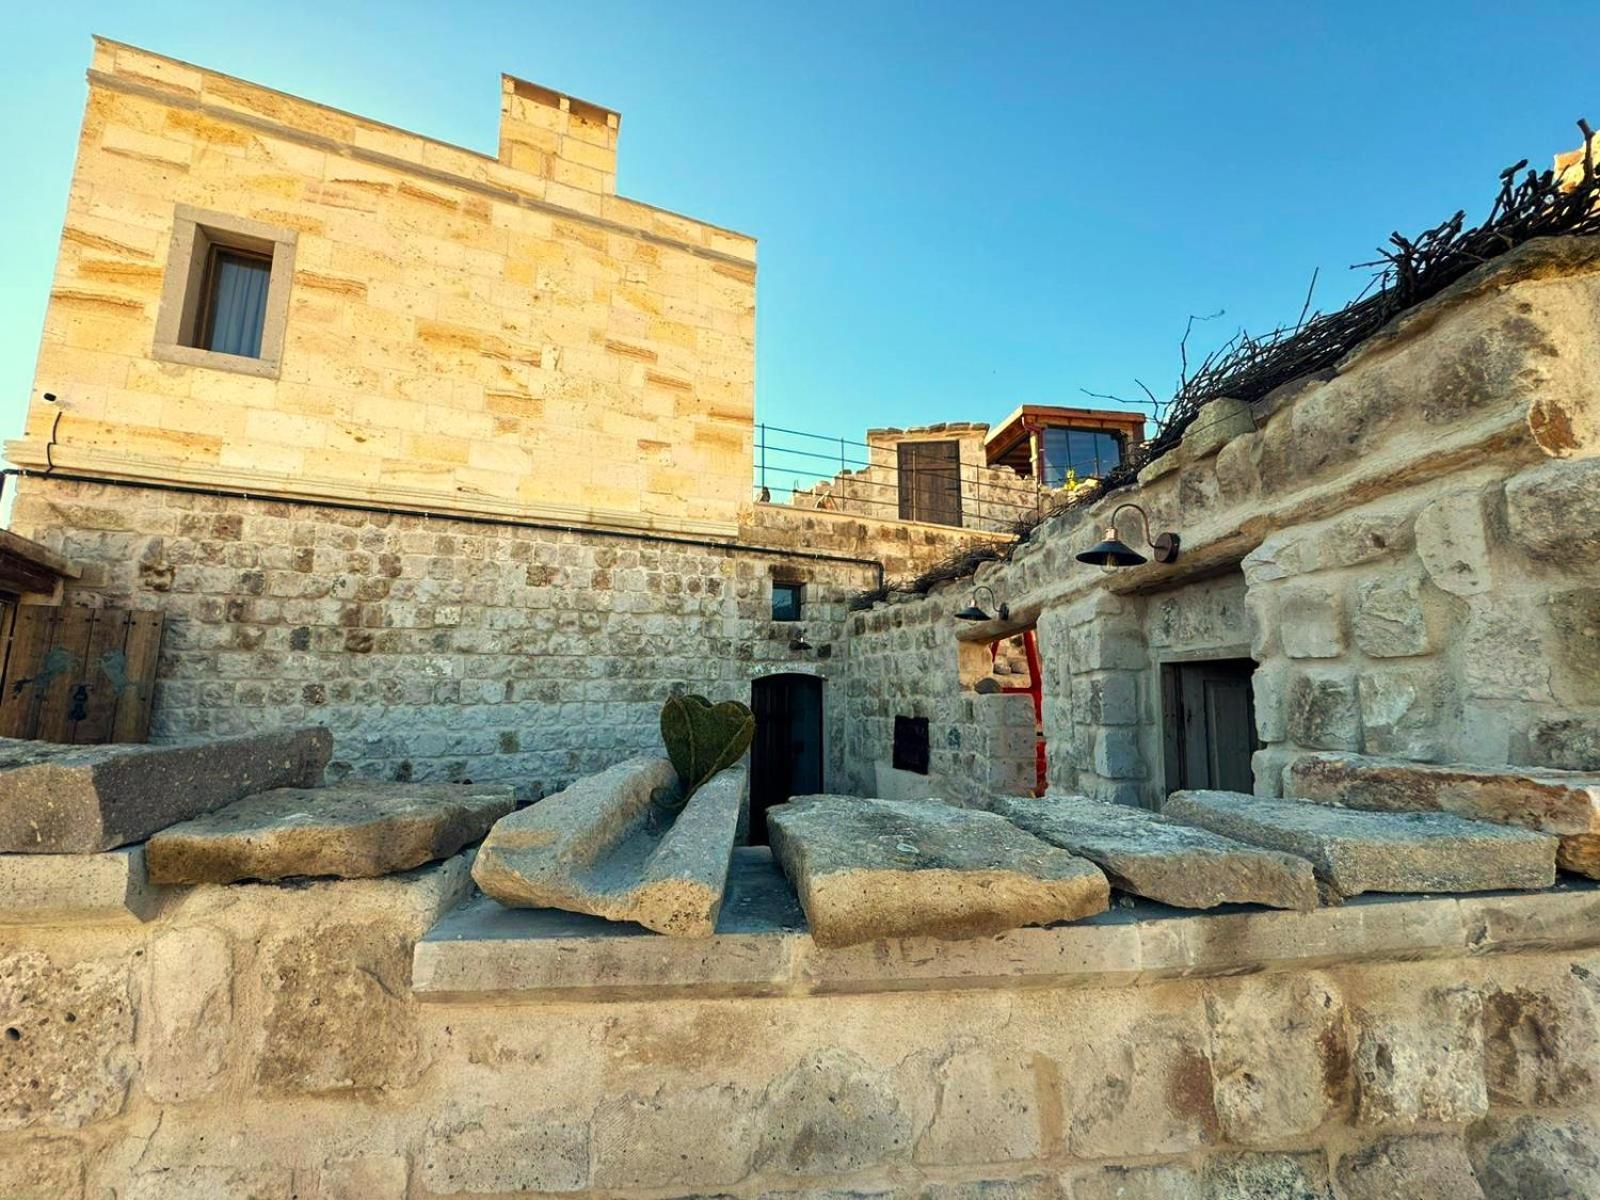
{"x": 225, "y": 297}
{"x": 1080, "y": 454}
{"x": 234, "y": 307}
{"x": 786, "y": 600}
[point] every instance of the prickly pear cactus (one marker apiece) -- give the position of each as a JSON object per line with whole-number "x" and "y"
{"x": 702, "y": 738}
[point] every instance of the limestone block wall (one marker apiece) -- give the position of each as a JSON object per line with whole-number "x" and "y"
{"x": 262, "y": 1043}
{"x": 434, "y": 648}
{"x": 463, "y": 332}
{"x": 1405, "y": 545}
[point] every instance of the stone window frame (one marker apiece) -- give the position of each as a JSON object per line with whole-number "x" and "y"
{"x": 194, "y": 232}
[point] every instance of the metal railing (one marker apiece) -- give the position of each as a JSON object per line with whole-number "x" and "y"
{"x": 837, "y": 474}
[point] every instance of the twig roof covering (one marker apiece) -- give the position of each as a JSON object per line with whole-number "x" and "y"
{"x": 1530, "y": 204}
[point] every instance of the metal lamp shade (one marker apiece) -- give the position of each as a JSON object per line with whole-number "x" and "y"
{"x": 1112, "y": 553}
{"x": 972, "y": 613}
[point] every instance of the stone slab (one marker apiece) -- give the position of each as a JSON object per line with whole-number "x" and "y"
{"x": 1560, "y": 802}
{"x": 871, "y": 869}
{"x": 351, "y": 830}
{"x": 486, "y": 953}
{"x": 610, "y": 847}
{"x": 57, "y": 799}
{"x": 1163, "y": 860}
{"x": 50, "y": 889}
{"x": 1355, "y": 852}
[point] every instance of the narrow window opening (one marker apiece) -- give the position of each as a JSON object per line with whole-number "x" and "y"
{"x": 788, "y": 601}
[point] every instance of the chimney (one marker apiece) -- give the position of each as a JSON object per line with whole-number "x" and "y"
{"x": 558, "y": 137}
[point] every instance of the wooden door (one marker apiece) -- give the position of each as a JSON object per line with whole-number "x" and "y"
{"x": 786, "y": 755}
{"x": 79, "y": 675}
{"x": 1210, "y": 725}
{"x": 930, "y": 482}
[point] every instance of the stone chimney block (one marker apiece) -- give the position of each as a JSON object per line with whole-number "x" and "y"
{"x": 554, "y": 136}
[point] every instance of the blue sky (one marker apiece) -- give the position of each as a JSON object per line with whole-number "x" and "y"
{"x": 960, "y": 207}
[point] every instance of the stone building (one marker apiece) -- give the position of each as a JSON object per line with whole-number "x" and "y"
{"x": 1393, "y": 559}
{"x": 479, "y": 494}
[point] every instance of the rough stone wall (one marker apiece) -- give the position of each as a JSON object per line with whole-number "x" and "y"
{"x": 905, "y": 549}
{"x": 993, "y": 499}
{"x": 434, "y": 648}
{"x": 262, "y": 1043}
{"x": 904, "y": 662}
{"x": 462, "y": 334}
{"x": 1407, "y": 547}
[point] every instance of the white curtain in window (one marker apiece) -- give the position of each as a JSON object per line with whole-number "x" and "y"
{"x": 239, "y": 299}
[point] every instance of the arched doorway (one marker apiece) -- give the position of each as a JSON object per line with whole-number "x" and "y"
{"x": 786, "y": 756}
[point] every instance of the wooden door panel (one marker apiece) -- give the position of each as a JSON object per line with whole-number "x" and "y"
{"x": 1210, "y": 715}
{"x": 930, "y": 482}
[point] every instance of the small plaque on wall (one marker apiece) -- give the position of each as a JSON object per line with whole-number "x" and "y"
{"x": 911, "y": 744}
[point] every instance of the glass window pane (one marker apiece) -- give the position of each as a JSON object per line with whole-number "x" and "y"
{"x": 1056, "y": 460}
{"x": 238, "y": 304}
{"x": 786, "y": 601}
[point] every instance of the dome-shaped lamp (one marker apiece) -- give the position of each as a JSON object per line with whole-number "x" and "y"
{"x": 973, "y": 613}
{"x": 1112, "y": 551}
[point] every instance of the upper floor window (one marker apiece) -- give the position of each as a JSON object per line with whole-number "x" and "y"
{"x": 225, "y": 299}
{"x": 233, "y": 310}
{"x": 1080, "y": 454}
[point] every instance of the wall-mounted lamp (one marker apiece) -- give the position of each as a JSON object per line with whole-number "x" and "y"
{"x": 1113, "y": 552}
{"x": 973, "y": 613}
{"x": 798, "y": 642}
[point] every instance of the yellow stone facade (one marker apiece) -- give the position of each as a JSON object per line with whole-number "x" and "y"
{"x": 463, "y": 334}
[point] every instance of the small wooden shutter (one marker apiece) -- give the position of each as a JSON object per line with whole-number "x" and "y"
{"x": 930, "y": 482}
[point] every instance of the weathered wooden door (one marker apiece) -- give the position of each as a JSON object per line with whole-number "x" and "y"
{"x": 1210, "y": 724}
{"x": 786, "y": 755}
{"x": 80, "y": 675}
{"x": 930, "y": 482}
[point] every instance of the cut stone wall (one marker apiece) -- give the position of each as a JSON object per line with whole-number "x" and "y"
{"x": 1405, "y": 545}
{"x": 262, "y": 1043}
{"x": 464, "y": 333}
{"x": 433, "y": 648}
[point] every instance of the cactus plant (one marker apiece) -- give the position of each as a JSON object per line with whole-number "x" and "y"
{"x": 702, "y": 738}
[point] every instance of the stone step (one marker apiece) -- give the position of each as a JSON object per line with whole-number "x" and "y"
{"x": 351, "y": 830}
{"x": 1147, "y": 855}
{"x": 1355, "y": 852}
{"x": 57, "y": 799}
{"x": 870, "y": 869}
{"x": 610, "y": 846}
{"x": 1559, "y": 802}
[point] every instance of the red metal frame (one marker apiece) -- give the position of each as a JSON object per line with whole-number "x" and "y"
{"x": 1035, "y": 688}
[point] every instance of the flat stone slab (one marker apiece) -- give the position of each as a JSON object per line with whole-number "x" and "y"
{"x": 1147, "y": 855}
{"x": 352, "y": 830}
{"x": 1354, "y": 852}
{"x": 57, "y": 799}
{"x": 483, "y": 952}
{"x": 1561, "y": 802}
{"x": 611, "y": 847}
{"x": 73, "y": 889}
{"x": 871, "y": 869}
